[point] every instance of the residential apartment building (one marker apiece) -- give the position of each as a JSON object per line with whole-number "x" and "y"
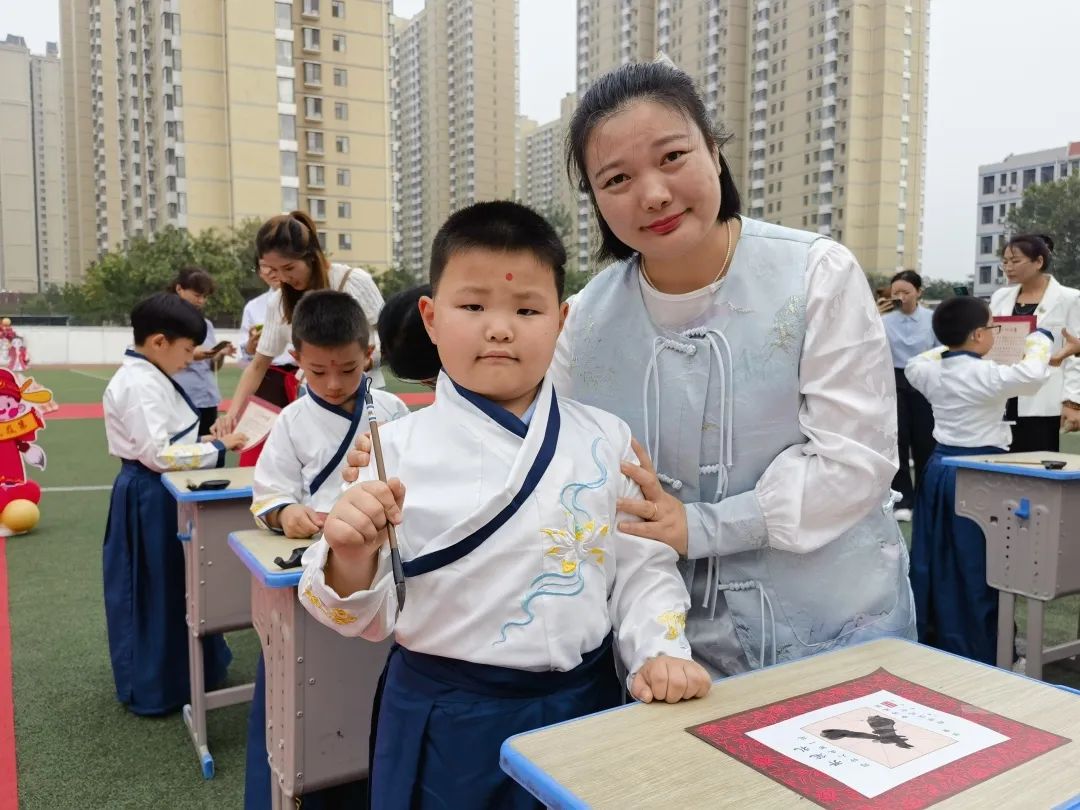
{"x": 1001, "y": 189}
{"x": 456, "y": 95}
{"x": 204, "y": 115}
{"x": 542, "y": 180}
{"x": 33, "y": 235}
{"x": 826, "y": 100}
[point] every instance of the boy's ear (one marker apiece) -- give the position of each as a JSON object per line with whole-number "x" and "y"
{"x": 564, "y": 310}
{"x": 295, "y": 355}
{"x": 426, "y": 306}
{"x": 370, "y": 351}
{"x": 158, "y": 341}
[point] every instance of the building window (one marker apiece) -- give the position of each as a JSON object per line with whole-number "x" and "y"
{"x": 313, "y": 74}
{"x": 313, "y": 108}
{"x": 341, "y": 144}
{"x": 317, "y": 209}
{"x": 1046, "y": 174}
{"x": 288, "y": 164}
{"x": 341, "y": 79}
{"x": 1012, "y": 178}
{"x": 285, "y": 91}
{"x": 984, "y": 274}
{"x": 338, "y": 43}
{"x": 986, "y": 245}
{"x": 315, "y": 143}
{"x": 344, "y": 177}
{"x": 312, "y": 39}
{"x": 344, "y": 241}
{"x": 284, "y": 53}
{"x": 311, "y": 8}
{"x": 316, "y": 176}
{"x": 337, "y": 9}
{"x": 283, "y": 16}
{"x": 287, "y": 127}
{"x": 290, "y": 199}
{"x": 988, "y": 184}
{"x": 987, "y": 214}
{"x": 341, "y": 111}
{"x": 344, "y": 210}
{"x": 1029, "y": 177}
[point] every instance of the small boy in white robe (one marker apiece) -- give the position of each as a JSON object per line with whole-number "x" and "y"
{"x": 956, "y": 610}
{"x": 518, "y": 577}
{"x": 153, "y": 427}
{"x": 298, "y": 474}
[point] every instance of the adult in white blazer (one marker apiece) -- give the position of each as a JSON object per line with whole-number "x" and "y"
{"x": 1039, "y": 418}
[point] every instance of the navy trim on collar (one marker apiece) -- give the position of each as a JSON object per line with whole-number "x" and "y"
{"x": 354, "y": 423}
{"x": 960, "y": 353}
{"x": 444, "y": 556}
{"x": 175, "y": 384}
{"x": 497, "y": 413}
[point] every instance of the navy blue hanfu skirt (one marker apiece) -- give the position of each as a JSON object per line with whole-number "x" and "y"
{"x": 257, "y": 777}
{"x": 143, "y": 568}
{"x": 441, "y": 723}
{"x": 955, "y": 610}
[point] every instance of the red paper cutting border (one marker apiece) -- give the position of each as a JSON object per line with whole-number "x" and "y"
{"x": 729, "y": 735}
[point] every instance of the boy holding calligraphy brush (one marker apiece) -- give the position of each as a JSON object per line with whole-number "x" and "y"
{"x": 955, "y": 608}
{"x": 519, "y": 581}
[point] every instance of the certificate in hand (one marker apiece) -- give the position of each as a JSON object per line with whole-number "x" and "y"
{"x": 255, "y": 422}
{"x": 1010, "y": 339}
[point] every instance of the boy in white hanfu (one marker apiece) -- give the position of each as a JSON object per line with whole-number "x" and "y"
{"x": 153, "y": 427}
{"x": 519, "y": 582}
{"x": 298, "y": 474}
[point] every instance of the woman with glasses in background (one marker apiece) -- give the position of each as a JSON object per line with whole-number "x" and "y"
{"x": 1039, "y": 418}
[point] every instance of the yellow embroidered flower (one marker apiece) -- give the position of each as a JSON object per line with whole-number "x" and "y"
{"x": 675, "y": 622}
{"x": 575, "y": 544}
{"x": 336, "y": 615}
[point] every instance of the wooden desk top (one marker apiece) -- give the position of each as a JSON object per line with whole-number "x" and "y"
{"x": 257, "y": 549}
{"x": 1031, "y": 466}
{"x": 641, "y": 756}
{"x": 240, "y": 482}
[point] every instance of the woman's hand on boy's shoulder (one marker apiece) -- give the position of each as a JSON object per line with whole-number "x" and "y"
{"x": 670, "y": 679}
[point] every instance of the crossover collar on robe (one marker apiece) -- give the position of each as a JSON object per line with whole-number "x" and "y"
{"x": 354, "y": 419}
{"x": 198, "y": 415}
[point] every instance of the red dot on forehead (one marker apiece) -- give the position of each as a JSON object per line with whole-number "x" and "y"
{"x": 509, "y": 276}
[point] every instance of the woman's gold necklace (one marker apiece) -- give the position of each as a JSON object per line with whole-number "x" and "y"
{"x": 723, "y": 268}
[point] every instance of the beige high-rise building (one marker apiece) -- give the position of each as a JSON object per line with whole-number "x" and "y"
{"x": 456, "y": 92}
{"x": 542, "y": 180}
{"x": 826, "y": 100}
{"x": 203, "y": 115}
{"x": 33, "y": 239}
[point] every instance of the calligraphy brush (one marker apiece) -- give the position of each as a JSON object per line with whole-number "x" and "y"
{"x": 376, "y": 446}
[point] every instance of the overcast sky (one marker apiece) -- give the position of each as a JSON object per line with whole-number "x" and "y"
{"x": 1002, "y": 80}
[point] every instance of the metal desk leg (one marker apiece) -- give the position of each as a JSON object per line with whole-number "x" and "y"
{"x": 1035, "y": 638}
{"x": 1006, "y": 629}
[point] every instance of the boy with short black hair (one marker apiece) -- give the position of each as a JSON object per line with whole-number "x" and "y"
{"x": 152, "y": 426}
{"x": 518, "y": 576}
{"x": 955, "y": 608}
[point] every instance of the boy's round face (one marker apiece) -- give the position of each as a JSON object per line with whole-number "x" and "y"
{"x": 495, "y": 318}
{"x": 332, "y": 372}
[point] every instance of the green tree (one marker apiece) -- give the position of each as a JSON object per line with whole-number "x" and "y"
{"x": 1054, "y": 209}
{"x": 394, "y": 280}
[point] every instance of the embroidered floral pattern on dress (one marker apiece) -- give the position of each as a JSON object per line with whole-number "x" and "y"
{"x": 336, "y": 615}
{"x": 675, "y": 623}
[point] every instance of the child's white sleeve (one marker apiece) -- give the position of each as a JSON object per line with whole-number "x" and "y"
{"x": 279, "y": 474}
{"x": 1027, "y": 376}
{"x": 146, "y": 417}
{"x": 920, "y": 368}
{"x": 648, "y": 602}
{"x": 1070, "y": 369}
{"x": 366, "y": 614}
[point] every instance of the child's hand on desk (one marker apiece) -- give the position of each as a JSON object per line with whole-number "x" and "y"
{"x": 356, "y": 526}
{"x": 300, "y": 522}
{"x": 234, "y": 441}
{"x": 670, "y": 679}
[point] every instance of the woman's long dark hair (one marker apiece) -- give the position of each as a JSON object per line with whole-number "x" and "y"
{"x": 294, "y": 236}
{"x": 615, "y": 91}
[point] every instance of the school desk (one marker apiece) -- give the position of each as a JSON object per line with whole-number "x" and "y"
{"x": 1031, "y": 518}
{"x": 217, "y": 584}
{"x": 642, "y": 756}
{"x": 320, "y": 685}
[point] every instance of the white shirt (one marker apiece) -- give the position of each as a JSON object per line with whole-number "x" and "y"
{"x": 968, "y": 393}
{"x": 148, "y": 419}
{"x": 550, "y": 583}
{"x": 255, "y": 315}
{"x": 301, "y": 448}
{"x": 849, "y": 410}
